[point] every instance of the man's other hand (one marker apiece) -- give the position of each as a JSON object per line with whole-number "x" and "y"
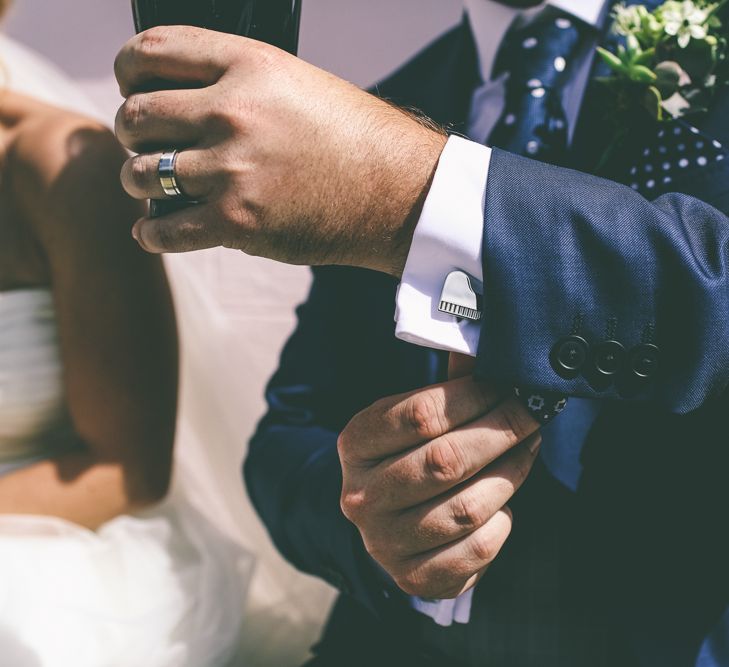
{"x": 285, "y": 160}
{"x": 427, "y": 479}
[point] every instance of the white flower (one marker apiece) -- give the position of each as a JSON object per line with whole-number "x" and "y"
{"x": 627, "y": 19}
{"x": 635, "y": 20}
{"x": 685, "y": 20}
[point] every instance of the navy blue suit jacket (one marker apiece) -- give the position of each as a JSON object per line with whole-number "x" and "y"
{"x": 619, "y": 553}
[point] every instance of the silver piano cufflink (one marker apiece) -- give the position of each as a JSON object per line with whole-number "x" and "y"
{"x": 460, "y": 298}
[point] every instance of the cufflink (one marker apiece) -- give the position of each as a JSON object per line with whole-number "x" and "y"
{"x": 460, "y": 299}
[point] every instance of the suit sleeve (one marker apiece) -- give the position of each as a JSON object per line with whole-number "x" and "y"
{"x": 292, "y": 470}
{"x": 592, "y": 290}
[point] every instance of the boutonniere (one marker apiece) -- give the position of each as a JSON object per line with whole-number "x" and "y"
{"x": 670, "y": 62}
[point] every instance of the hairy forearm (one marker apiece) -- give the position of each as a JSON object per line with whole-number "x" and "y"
{"x": 80, "y": 488}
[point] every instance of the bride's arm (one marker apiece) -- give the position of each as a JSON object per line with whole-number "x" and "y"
{"x": 116, "y": 325}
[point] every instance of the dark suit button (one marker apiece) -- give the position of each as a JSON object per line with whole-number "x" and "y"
{"x": 569, "y": 356}
{"x": 644, "y": 361}
{"x": 609, "y": 357}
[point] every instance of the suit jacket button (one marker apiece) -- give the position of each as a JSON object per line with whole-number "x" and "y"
{"x": 608, "y": 359}
{"x": 644, "y": 361}
{"x": 569, "y": 356}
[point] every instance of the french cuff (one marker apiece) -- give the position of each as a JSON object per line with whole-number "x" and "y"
{"x": 448, "y": 237}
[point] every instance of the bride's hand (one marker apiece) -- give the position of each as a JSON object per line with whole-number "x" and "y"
{"x": 286, "y": 160}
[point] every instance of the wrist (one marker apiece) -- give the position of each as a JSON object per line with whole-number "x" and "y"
{"x": 400, "y": 189}
{"x": 424, "y": 164}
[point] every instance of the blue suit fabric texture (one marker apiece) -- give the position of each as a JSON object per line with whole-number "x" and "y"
{"x": 619, "y": 556}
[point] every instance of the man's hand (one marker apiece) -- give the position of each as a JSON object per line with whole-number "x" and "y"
{"x": 286, "y": 160}
{"x": 427, "y": 477}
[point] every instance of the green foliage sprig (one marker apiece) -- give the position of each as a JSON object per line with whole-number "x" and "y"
{"x": 672, "y": 60}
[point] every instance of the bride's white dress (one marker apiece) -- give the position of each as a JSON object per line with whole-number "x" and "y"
{"x": 162, "y": 589}
{"x": 234, "y": 313}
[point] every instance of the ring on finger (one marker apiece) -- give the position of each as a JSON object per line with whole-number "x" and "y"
{"x": 168, "y": 175}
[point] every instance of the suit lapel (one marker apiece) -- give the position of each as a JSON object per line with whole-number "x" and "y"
{"x": 590, "y": 138}
{"x": 440, "y": 81}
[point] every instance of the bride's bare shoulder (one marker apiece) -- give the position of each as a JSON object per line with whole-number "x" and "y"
{"x": 59, "y": 160}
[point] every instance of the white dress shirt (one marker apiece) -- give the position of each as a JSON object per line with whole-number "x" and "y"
{"x": 449, "y": 234}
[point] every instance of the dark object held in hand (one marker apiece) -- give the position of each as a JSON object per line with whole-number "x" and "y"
{"x": 273, "y": 21}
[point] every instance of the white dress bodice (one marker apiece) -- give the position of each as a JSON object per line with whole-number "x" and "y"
{"x": 34, "y": 421}
{"x": 162, "y": 588}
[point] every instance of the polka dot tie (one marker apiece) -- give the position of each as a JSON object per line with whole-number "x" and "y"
{"x": 537, "y": 58}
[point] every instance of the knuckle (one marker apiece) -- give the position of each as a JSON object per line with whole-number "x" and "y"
{"x": 344, "y": 447}
{"x": 444, "y": 461}
{"x": 486, "y": 547}
{"x": 134, "y": 55}
{"x": 151, "y": 41}
{"x": 488, "y": 544}
{"x": 354, "y": 504}
{"x": 139, "y": 172}
{"x": 133, "y": 114}
{"x": 503, "y": 487}
{"x": 411, "y": 583}
{"x": 226, "y": 114}
{"x": 349, "y": 446}
{"x": 468, "y": 512}
{"x": 424, "y": 416}
{"x": 514, "y": 420}
{"x": 266, "y": 56}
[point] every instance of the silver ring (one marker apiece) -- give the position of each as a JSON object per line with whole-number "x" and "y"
{"x": 167, "y": 175}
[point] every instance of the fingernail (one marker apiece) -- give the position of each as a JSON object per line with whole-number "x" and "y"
{"x": 535, "y": 444}
{"x": 135, "y": 232}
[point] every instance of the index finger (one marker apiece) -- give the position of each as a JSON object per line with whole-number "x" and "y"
{"x": 179, "y": 54}
{"x": 398, "y": 423}
{"x": 425, "y": 472}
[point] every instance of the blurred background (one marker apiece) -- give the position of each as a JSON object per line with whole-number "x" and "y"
{"x": 358, "y": 40}
{"x": 249, "y": 303}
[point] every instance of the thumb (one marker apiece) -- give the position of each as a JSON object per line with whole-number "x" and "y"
{"x": 460, "y": 365}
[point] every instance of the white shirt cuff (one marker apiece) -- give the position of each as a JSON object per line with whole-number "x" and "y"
{"x": 448, "y": 237}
